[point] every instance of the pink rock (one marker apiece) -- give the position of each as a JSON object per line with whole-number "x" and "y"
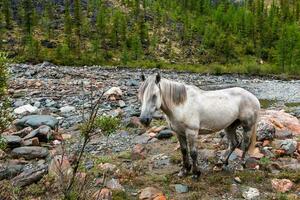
{"x": 282, "y": 185}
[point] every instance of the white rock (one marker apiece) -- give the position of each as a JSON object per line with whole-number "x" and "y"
{"x": 67, "y": 109}
{"x": 26, "y": 108}
{"x": 251, "y": 193}
{"x": 113, "y": 91}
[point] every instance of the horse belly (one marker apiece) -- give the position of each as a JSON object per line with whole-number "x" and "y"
{"x": 218, "y": 118}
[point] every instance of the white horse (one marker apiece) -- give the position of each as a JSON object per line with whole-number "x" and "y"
{"x": 191, "y": 111}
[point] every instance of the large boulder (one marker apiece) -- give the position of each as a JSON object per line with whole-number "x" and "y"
{"x": 44, "y": 133}
{"x": 30, "y": 152}
{"x": 114, "y": 93}
{"x": 35, "y": 121}
{"x": 8, "y": 171}
{"x": 281, "y": 120}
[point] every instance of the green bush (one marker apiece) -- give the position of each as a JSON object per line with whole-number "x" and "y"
{"x": 107, "y": 124}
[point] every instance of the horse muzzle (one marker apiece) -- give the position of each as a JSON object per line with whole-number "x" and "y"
{"x": 145, "y": 121}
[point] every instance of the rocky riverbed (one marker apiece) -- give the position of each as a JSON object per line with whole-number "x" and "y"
{"x": 49, "y": 102}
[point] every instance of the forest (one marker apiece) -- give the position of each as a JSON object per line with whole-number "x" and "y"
{"x": 218, "y": 36}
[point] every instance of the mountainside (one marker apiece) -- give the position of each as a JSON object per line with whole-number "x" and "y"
{"x": 224, "y": 35}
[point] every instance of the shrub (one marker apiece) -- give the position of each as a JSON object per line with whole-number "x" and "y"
{"x": 107, "y": 124}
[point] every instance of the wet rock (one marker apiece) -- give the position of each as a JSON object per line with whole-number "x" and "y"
{"x": 30, "y": 152}
{"x": 12, "y": 141}
{"x": 60, "y": 167}
{"x": 44, "y": 133}
{"x": 282, "y": 185}
{"x": 23, "y": 132}
{"x": 35, "y": 121}
{"x": 265, "y": 130}
{"x": 138, "y": 152}
{"x": 251, "y": 193}
{"x": 114, "y": 185}
{"x": 25, "y": 109}
{"x": 151, "y": 193}
{"x": 8, "y": 171}
{"x": 103, "y": 194}
{"x": 289, "y": 146}
{"x": 67, "y": 109}
{"x": 165, "y": 134}
{"x": 29, "y": 176}
{"x": 181, "y": 188}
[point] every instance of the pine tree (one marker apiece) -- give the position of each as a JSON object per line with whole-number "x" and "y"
{"x": 7, "y": 13}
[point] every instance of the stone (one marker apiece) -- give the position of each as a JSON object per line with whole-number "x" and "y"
{"x": 237, "y": 179}
{"x": 23, "y": 132}
{"x": 265, "y": 130}
{"x": 103, "y": 194}
{"x": 252, "y": 163}
{"x": 35, "y": 121}
{"x": 12, "y": 141}
{"x": 113, "y": 93}
{"x": 281, "y": 120}
{"x": 151, "y": 193}
{"x": 132, "y": 82}
{"x": 281, "y": 185}
{"x": 29, "y": 176}
{"x": 25, "y": 109}
{"x": 181, "y": 188}
{"x": 60, "y": 166}
{"x": 30, "y": 152}
{"x": 114, "y": 185}
{"x": 289, "y": 146}
{"x": 8, "y": 171}
{"x": 2, "y": 154}
{"x": 298, "y": 147}
{"x": 107, "y": 167}
{"x": 251, "y": 193}
{"x": 283, "y": 134}
{"x": 122, "y": 104}
{"x": 165, "y": 134}
{"x": 67, "y": 109}
{"x": 44, "y": 133}
{"x": 31, "y": 142}
{"x": 141, "y": 139}
{"x": 206, "y": 154}
{"x": 138, "y": 152}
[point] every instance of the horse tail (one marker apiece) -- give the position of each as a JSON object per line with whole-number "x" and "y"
{"x": 252, "y": 140}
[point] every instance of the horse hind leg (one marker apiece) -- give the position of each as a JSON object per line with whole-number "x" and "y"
{"x": 249, "y": 138}
{"x": 233, "y": 142}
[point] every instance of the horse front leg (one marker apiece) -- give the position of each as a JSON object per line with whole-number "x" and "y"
{"x": 192, "y": 137}
{"x": 185, "y": 157}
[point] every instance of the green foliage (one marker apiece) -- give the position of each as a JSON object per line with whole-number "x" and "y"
{"x": 5, "y": 115}
{"x": 107, "y": 124}
{"x": 146, "y": 31}
{"x": 3, "y": 143}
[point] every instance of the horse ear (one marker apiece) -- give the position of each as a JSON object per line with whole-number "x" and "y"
{"x": 143, "y": 78}
{"x": 157, "y": 79}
